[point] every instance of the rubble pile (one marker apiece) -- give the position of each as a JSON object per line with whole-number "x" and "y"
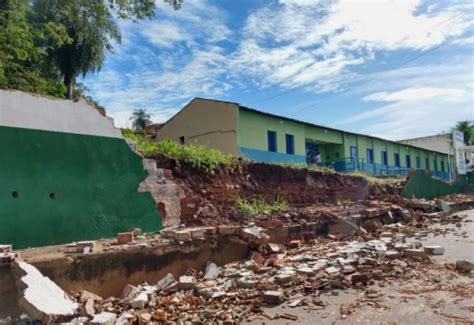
{"x": 294, "y": 274}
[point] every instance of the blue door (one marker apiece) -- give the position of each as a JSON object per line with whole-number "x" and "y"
{"x": 353, "y": 152}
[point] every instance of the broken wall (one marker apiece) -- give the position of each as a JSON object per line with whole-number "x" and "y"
{"x": 422, "y": 185}
{"x": 66, "y": 174}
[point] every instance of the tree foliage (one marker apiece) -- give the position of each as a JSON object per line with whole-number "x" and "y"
{"x": 467, "y": 128}
{"x": 47, "y": 43}
{"x": 140, "y": 119}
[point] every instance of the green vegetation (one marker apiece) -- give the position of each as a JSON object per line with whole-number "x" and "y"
{"x": 313, "y": 168}
{"x": 197, "y": 157}
{"x": 260, "y": 206}
{"x": 467, "y": 128}
{"x": 46, "y": 44}
{"x": 377, "y": 180}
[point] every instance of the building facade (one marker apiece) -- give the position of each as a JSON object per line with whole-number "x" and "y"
{"x": 259, "y": 136}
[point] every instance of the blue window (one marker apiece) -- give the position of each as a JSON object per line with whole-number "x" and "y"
{"x": 427, "y": 163}
{"x": 442, "y": 166}
{"x": 435, "y": 163}
{"x": 353, "y": 152}
{"x": 418, "y": 162}
{"x": 272, "y": 141}
{"x": 290, "y": 144}
{"x": 370, "y": 156}
{"x": 408, "y": 161}
{"x": 384, "y": 158}
{"x": 396, "y": 158}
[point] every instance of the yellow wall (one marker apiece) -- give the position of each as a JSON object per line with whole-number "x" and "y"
{"x": 207, "y": 123}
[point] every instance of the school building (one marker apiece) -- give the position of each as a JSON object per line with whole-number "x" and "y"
{"x": 264, "y": 137}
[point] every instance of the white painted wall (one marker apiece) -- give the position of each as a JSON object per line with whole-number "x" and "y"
{"x": 440, "y": 143}
{"x": 24, "y": 110}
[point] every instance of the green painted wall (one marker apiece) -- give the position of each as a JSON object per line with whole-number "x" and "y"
{"x": 422, "y": 186}
{"x": 335, "y": 145}
{"x": 94, "y": 180}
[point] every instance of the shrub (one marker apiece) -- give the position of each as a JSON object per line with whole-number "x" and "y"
{"x": 260, "y": 206}
{"x": 196, "y": 156}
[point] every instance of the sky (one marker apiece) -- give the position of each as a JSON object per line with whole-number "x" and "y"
{"x": 393, "y": 69}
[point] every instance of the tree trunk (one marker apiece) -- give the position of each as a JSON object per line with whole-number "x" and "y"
{"x": 69, "y": 83}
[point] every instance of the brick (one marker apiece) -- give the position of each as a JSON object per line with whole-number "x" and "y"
{"x": 295, "y": 243}
{"x": 359, "y": 278}
{"x": 82, "y": 245}
{"x": 272, "y": 297}
{"x": 168, "y": 173}
{"x": 124, "y": 238}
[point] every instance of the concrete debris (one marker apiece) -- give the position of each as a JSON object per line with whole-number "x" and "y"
{"x": 434, "y": 250}
{"x": 166, "y": 282}
{"x": 104, "y": 318}
{"x": 464, "y": 266}
{"x": 129, "y": 292}
{"x": 212, "y": 271}
{"x": 41, "y": 298}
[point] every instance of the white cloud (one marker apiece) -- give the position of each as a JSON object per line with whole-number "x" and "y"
{"x": 302, "y": 43}
{"x": 417, "y": 110}
{"x": 417, "y": 94}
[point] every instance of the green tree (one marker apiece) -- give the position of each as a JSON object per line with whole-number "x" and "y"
{"x": 467, "y": 128}
{"x": 140, "y": 119}
{"x": 92, "y": 30}
{"x": 21, "y": 56}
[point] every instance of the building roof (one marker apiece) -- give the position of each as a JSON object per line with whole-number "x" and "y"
{"x": 302, "y": 122}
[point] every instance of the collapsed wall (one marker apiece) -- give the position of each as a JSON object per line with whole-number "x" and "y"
{"x": 66, "y": 174}
{"x": 190, "y": 196}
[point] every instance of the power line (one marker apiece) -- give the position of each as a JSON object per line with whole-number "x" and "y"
{"x": 371, "y": 79}
{"x": 297, "y": 88}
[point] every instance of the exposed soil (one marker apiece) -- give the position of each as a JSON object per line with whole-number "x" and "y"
{"x": 212, "y": 197}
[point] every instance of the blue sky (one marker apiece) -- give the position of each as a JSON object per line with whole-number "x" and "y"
{"x": 395, "y": 69}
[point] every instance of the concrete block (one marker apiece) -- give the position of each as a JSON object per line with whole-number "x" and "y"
{"x": 212, "y": 271}
{"x": 129, "y": 292}
{"x": 182, "y": 235}
{"x": 103, "y": 318}
{"x": 414, "y": 252}
{"x": 434, "y": 250}
{"x": 83, "y": 246}
{"x": 464, "y": 266}
{"x": 272, "y": 297}
{"x": 165, "y": 282}
{"x": 139, "y": 301}
{"x": 332, "y": 271}
{"x": 187, "y": 282}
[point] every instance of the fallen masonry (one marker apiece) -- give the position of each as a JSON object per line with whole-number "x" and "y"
{"x": 41, "y": 298}
{"x": 294, "y": 274}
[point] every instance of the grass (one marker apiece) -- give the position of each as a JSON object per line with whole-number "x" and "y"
{"x": 196, "y": 156}
{"x": 260, "y": 206}
{"x": 377, "y": 180}
{"x": 314, "y": 168}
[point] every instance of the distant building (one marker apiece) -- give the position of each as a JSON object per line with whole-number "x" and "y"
{"x": 440, "y": 142}
{"x": 152, "y": 129}
{"x": 259, "y": 136}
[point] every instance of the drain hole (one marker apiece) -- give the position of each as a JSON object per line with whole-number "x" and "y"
{"x": 52, "y": 196}
{"x": 15, "y": 194}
